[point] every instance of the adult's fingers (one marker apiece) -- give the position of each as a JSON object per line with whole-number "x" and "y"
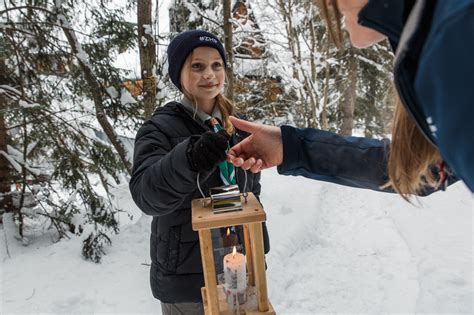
{"x": 238, "y": 150}
{"x": 237, "y": 161}
{"x": 244, "y": 125}
{"x": 257, "y": 167}
{"x": 249, "y": 163}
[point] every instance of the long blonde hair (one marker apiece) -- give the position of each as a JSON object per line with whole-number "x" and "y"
{"x": 226, "y": 107}
{"x": 411, "y": 155}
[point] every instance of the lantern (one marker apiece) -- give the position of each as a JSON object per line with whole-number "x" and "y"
{"x": 227, "y": 207}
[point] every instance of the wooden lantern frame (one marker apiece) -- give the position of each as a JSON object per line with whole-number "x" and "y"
{"x": 251, "y": 217}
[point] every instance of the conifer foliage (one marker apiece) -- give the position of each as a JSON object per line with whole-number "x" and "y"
{"x": 60, "y": 94}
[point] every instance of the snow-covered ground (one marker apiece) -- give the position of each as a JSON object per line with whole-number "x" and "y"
{"x": 334, "y": 250}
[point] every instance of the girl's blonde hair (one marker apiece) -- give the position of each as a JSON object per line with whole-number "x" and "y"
{"x": 411, "y": 155}
{"x": 225, "y": 106}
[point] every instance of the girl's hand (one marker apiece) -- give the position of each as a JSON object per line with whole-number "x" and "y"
{"x": 209, "y": 150}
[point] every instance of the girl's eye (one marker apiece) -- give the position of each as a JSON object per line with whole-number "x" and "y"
{"x": 196, "y": 66}
{"x": 217, "y": 65}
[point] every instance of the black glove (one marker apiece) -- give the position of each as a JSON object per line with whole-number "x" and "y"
{"x": 208, "y": 150}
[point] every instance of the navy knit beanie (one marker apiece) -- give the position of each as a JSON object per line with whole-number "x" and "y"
{"x": 183, "y": 44}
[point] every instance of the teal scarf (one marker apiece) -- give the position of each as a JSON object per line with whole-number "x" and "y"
{"x": 227, "y": 170}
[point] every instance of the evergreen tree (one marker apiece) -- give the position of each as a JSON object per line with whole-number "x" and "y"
{"x": 59, "y": 90}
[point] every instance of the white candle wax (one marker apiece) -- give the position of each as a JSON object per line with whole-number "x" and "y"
{"x": 235, "y": 273}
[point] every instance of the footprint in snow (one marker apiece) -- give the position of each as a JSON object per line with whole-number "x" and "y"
{"x": 285, "y": 211}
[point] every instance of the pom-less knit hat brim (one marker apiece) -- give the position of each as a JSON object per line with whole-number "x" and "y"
{"x": 183, "y": 44}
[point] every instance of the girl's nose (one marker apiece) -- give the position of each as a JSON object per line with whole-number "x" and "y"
{"x": 208, "y": 74}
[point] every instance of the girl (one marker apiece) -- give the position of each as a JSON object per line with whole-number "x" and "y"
{"x": 180, "y": 141}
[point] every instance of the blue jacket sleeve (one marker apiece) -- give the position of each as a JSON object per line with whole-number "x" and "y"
{"x": 444, "y": 85}
{"x": 326, "y": 156}
{"x": 350, "y": 161}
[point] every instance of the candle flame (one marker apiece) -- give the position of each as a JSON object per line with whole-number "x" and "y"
{"x": 228, "y": 232}
{"x": 234, "y": 251}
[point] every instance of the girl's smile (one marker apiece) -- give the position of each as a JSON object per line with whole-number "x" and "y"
{"x": 209, "y": 86}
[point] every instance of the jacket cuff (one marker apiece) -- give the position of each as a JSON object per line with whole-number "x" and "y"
{"x": 291, "y": 149}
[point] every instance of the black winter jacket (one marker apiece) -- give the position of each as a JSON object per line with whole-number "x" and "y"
{"x": 163, "y": 186}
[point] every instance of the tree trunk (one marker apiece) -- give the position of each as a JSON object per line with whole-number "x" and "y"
{"x": 285, "y": 8}
{"x": 350, "y": 95}
{"x": 313, "y": 82}
{"x": 324, "y": 114}
{"x": 228, "y": 38}
{"x": 21, "y": 225}
{"x": 5, "y": 177}
{"x": 5, "y": 185}
{"x": 96, "y": 90}
{"x": 147, "y": 49}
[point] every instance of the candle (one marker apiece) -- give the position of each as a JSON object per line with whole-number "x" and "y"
{"x": 235, "y": 273}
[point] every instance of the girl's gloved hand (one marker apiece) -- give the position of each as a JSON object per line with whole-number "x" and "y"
{"x": 208, "y": 150}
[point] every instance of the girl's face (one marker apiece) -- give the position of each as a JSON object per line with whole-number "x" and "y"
{"x": 203, "y": 76}
{"x": 361, "y": 36}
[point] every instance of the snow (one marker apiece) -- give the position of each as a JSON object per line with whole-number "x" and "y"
{"x": 6, "y": 88}
{"x": 365, "y": 252}
{"x": 193, "y": 11}
{"x": 25, "y": 104}
{"x": 378, "y": 66}
{"x": 126, "y": 97}
{"x": 58, "y": 3}
{"x": 144, "y": 41}
{"x": 249, "y": 67}
{"x": 12, "y": 161}
{"x": 147, "y": 29}
{"x": 334, "y": 249}
{"x": 82, "y": 55}
{"x": 112, "y": 92}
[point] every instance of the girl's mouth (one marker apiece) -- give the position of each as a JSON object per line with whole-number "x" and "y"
{"x": 209, "y": 86}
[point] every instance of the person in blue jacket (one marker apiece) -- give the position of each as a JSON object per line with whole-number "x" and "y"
{"x": 432, "y": 138}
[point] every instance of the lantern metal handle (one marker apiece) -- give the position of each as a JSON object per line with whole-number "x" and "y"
{"x": 244, "y": 193}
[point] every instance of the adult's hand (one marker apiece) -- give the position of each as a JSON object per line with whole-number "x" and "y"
{"x": 261, "y": 150}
